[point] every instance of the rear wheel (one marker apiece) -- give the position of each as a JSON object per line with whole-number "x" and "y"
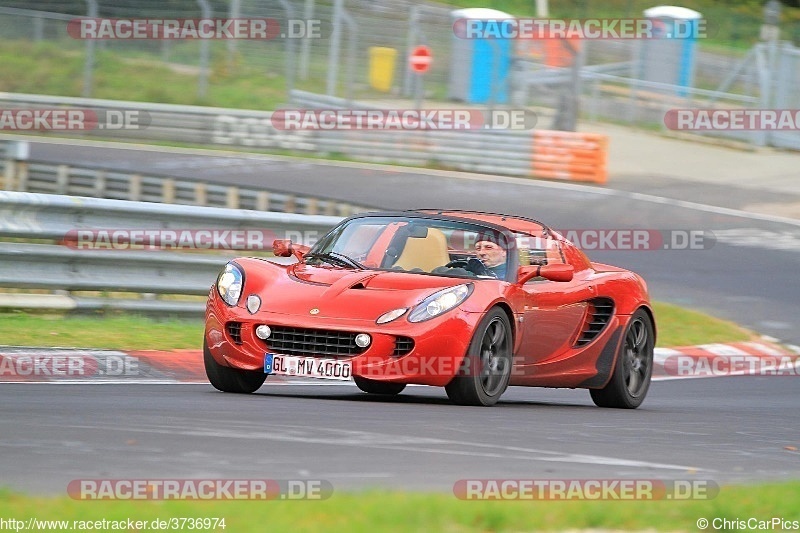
{"x": 229, "y": 379}
{"x": 379, "y": 387}
{"x": 487, "y": 366}
{"x": 630, "y": 379}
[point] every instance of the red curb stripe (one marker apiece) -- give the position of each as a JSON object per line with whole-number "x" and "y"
{"x": 180, "y": 365}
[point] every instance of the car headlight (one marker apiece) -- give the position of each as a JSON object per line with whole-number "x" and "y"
{"x": 440, "y": 302}
{"x": 229, "y": 284}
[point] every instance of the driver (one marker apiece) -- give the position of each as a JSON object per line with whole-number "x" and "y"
{"x": 493, "y": 256}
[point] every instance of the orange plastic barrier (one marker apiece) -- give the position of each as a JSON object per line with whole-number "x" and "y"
{"x": 571, "y": 156}
{"x": 551, "y": 52}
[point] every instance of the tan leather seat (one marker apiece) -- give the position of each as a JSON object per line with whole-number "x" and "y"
{"x": 426, "y": 253}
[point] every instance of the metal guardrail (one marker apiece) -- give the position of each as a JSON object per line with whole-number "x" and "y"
{"x": 176, "y": 123}
{"x": 527, "y": 153}
{"x": 492, "y": 151}
{"x": 49, "y": 178}
{"x": 505, "y": 152}
{"x": 536, "y": 76}
{"x": 143, "y": 273}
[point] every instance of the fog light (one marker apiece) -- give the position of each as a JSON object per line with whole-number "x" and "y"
{"x": 263, "y": 332}
{"x": 253, "y": 303}
{"x": 363, "y": 340}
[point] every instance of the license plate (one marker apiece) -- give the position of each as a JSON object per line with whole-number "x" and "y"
{"x": 309, "y": 367}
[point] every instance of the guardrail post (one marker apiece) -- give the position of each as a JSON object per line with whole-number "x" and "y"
{"x": 168, "y": 191}
{"x": 100, "y": 184}
{"x": 200, "y": 194}
{"x": 62, "y": 179}
{"x": 262, "y": 201}
{"x": 38, "y": 29}
{"x": 22, "y": 176}
{"x": 17, "y": 154}
{"x": 11, "y": 170}
{"x": 330, "y": 208}
{"x": 289, "y": 205}
{"x": 135, "y": 188}
{"x": 311, "y": 206}
{"x": 232, "y": 198}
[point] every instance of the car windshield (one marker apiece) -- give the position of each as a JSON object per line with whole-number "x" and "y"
{"x": 415, "y": 244}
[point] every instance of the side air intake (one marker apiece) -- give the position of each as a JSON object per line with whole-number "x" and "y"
{"x": 598, "y": 313}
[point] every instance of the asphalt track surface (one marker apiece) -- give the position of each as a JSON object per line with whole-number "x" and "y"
{"x": 722, "y": 429}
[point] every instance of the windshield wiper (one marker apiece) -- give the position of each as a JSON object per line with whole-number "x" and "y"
{"x": 335, "y": 258}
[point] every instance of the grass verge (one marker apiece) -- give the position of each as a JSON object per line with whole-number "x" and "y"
{"x": 371, "y": 511}
{"x": 676, "y": 327}
{"x": 52, "y": 69}
{"x": 124, "y": 332}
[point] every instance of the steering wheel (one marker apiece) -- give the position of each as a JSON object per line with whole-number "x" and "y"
{"x": 473, "y": 264}
{"x": 457, "y": 263}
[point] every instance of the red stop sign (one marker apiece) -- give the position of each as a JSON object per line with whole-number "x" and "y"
{"x": 420, "y": 59}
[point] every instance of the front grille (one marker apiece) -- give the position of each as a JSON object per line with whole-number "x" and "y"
{"x": 235, "y": 331}
{"x": 302, "y": 341}
{"x": 597, "y": 316}
{"x": 403, "y": 346}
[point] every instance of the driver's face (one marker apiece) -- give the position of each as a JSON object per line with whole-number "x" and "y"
{"x": 490, "y": 253}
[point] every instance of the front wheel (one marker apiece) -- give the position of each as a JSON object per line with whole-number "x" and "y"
{"x": 379, "y": 387}
{"x": 229, "y": 379}
{"x": 630, "y": 378}
{"x": 487, "y": 366}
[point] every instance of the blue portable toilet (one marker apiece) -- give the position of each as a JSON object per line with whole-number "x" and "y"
{"x": 479, "y": 67}
{"x": 669, "y": 57}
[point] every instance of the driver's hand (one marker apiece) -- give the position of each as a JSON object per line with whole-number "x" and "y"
{"x": 477, "y": 267}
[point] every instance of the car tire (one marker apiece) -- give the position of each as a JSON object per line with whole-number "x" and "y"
{"x": 630, "y": 379}
{"x": 229, "y": 379}
{"x": 490, "y": 351}
{"x": 379, "y": 387}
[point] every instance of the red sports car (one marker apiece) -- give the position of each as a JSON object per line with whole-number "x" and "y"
{"x": 469, "y": 301}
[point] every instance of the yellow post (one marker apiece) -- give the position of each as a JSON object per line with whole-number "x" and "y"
{"x": 381, "y": 67}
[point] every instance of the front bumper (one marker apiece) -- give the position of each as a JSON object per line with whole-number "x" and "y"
{"x": 439, "y": 344}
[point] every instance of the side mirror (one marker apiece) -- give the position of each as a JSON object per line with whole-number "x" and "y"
{"x": 282, "y": 248}
{"x": 286, "y": 248}
{"x": 557, "y": 272}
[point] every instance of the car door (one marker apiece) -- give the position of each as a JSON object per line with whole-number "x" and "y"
{"x": 553, "y": 310}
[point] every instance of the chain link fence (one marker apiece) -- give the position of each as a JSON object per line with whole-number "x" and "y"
{"x": 615, "y": 81}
